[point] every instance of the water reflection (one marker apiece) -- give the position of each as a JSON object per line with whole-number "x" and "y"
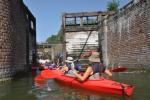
{"x": 51, "y": 90}
{"x": 4, "y": 89}
{"x": 25, "y": 89}
{"x": 16, "y": 89}
{"x": 140, "y": 79}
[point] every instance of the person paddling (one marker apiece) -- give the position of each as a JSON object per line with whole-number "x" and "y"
{"x": 68, "y": 66}
{"x": 104, "y": 68}
{"x": 92, "y": 69}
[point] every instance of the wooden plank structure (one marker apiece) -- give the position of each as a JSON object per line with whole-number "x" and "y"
{"x": 76, "y": 29}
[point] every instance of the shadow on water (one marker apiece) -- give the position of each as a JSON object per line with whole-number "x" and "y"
{"x": 17, "y": 88}
{"x": 23, "y": 88}
{"x": 140, "y": 79}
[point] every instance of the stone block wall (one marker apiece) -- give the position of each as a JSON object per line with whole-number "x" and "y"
{"x": 128, "y": 35}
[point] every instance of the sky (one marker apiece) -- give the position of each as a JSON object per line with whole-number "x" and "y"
{"x": 48, "y": 13}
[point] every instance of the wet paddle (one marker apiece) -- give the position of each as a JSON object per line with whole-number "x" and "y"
{"x": 50, "y": 73}
{"x": 119, "y": 69}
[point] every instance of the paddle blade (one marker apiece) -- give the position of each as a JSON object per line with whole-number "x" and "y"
{"x": 119, "y": 69}
{"x": 50, "y": 73}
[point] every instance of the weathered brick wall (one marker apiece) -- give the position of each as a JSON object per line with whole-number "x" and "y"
{"x": 6, "y": 39}
{"x": 14, "y": 30}
{"x": 128, "y": 35}
{"x": 20, "y": 27}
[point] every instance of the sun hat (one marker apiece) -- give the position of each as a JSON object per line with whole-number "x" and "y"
{"x": 94, "y": 57}
{"x": 69, "y": 59}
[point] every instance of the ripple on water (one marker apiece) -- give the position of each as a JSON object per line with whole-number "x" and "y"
{"x": 62, "y": 92}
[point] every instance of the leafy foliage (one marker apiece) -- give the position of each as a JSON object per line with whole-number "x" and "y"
{"x": 113, "y": 5}
{"x": 56, "y": 39}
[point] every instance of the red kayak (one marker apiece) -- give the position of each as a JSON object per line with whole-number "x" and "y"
{"x": 39, "y": 78}
{"x": 102, "y": 85}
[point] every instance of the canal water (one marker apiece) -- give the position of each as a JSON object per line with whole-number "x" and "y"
{"x": 24, "y": 88}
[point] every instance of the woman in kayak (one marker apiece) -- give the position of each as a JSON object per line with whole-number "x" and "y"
{"x": 68, "y": 66}
{"x": 93, "y": 69}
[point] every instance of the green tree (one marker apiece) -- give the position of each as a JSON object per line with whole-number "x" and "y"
{"x": 113, "y": 5}
{"x": 56, "y": 39}
{"x": 61, "y": 35}
{"x": 53, "y": 39}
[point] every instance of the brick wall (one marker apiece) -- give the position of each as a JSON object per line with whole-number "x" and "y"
{"x": 6, "y": 39}
{"x": 14, "y": 34}
{"x": 20, "y": 27}
{"x": 128, "y": 35}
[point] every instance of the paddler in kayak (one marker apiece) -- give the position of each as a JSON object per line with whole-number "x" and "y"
{"x": 68, "y": 66}
{"x": 93, "y": 69}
